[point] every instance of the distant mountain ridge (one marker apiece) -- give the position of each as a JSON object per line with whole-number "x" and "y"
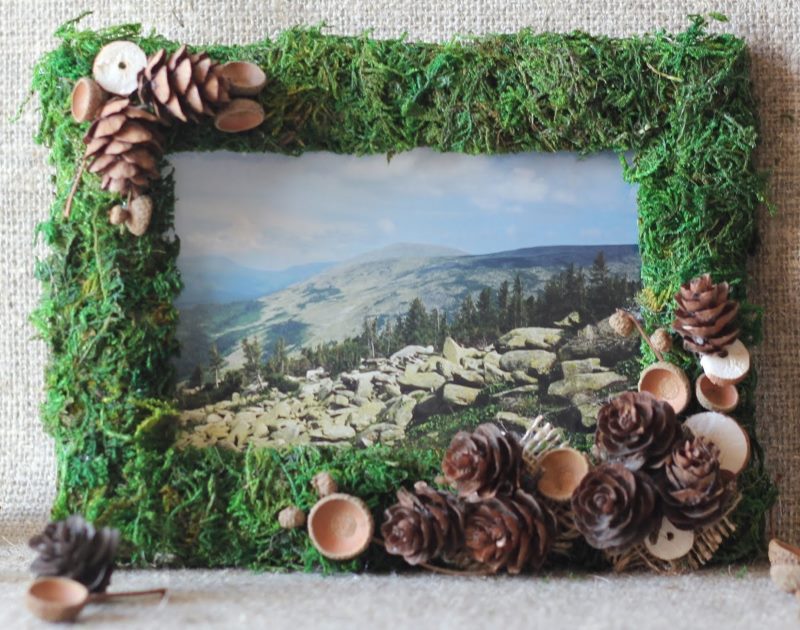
{"x": 332, "y": 304}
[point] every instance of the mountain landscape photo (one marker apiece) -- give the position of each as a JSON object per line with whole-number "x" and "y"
{"x": 388, "y": 317}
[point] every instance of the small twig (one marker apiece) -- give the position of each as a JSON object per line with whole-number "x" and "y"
{"x": 101, "y": 597}
{"x": 643, "y": 334}
{"x": 73, "y": 190}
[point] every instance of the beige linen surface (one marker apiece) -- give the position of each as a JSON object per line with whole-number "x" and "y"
{"x": 771, "y": 27}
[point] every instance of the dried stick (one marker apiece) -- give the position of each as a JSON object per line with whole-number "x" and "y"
{"x": 73, "y": 190}
{"x": 643, "y": 334}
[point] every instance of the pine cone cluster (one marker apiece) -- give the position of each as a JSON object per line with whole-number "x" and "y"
{"x": 182, "y": 86}
{"x": 694, "y": 490}
{"x": 481, "y": 464}
{"x": 424, "y": 524}
{"x": 615, "y": 507}
{"x": 636, "y": 429}
{"x": 73, "y": 548}
{"x": 491, "y": 518}
{"x": 123, "y": 146}
{"x": 706, "y": 316}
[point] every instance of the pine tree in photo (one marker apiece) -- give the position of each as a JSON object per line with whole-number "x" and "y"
{"x": 196, "y": 379}
{"x": 516, "y": 313}
{"x": 252, "y": 361}
{"x": 416, "y": 325}
{"x": 502, "y": 306}
{"x": 487, "y": 317}
{"x": 216, "y": 363}
{"x": 279, "y": 359}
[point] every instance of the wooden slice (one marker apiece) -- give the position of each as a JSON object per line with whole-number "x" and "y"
{"x": 241, "y": 114}
{"x": 672, "y": 543}
{"x": 730, "y": 368}
{"x": 561, "y": 471}
{"x": 715, "y": 397}
{"x": 667, "y": 382}
{"x": 783, "y": 553}
{"x": 731, "y": 439}
{"x": 340, "y": 526}
{"x": 244, "y": 78}
{"x": 116, "y": 67}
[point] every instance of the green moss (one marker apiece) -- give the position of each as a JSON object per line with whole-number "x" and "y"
{"x": 681, "y": 103}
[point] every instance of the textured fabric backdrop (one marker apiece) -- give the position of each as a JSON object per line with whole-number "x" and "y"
{"x": 771, "y": 27}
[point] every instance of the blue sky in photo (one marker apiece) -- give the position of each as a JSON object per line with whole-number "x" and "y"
{"x": 270, "y": 211}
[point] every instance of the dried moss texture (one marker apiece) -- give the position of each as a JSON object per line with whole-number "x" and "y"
{"x": 681, "y": 104}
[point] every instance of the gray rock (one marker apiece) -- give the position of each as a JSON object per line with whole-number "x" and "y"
{"x": 459, "y": 395}
{"x": 573, "y": 319}
{"x": 427, "y": 381}
{"x": 578, "y": 383}
{"x": 523, "y": 391}
{"x": 383, "y": 432}
{"x": 428, "y": 406}
{"x": 365, "y": 415}
{"x": 599, "y": 341}
{"x": 582, "y": 366}
{"x": 540, "y": 362}
{"x": 494, "y": 374}
{"x": 391, "y": 390}
{"x": 509, "y": 417}
{"x": 468, "y": 378}
{"x": 522, "y": 378}
{"x": 333, "y": 431}
{"x": 452, "y": 351}
{"x": 399, "y": 411}
{"x": 530, "y": 338}
{"x": 236, "y": 397}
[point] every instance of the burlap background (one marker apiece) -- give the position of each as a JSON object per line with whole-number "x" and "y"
{"x": 771, "y": 27}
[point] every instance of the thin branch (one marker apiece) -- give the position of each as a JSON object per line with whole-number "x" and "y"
{"x": 643, "y": 334}
{"x": 73, "y": 190}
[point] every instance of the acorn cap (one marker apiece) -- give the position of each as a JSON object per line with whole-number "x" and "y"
{"x": 340, "y": 526}
{"x": 244, "y": 78}
{"x": 141, "y": 211}
{"x": 783, "y": 553}
{"x": 241, "y": 114}
{"x": 731, "y": 439}
{"x": 670, "y": 543}
{"x": 723, "y": 398}
{"x": 730, "y": 368}
{"x": 668, "y": 383}
{"x": 87, "y": 99}
{"x": 116, "y": 67}
{"x": 561, "y": 470}
{"x": 56, "y": 598}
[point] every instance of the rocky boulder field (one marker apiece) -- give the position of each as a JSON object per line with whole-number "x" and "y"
{"x": 565, "y": 371}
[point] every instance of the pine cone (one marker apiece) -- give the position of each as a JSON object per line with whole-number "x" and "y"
{"x": 73, "y": 548}
{"x": 511, "y": 532}
{"x": 706, "y": 318}
{"x": 123, "y": 147}
{"x": 636, "y": 429}
{"x": 694, "y": 490}
{"x": 423, "y": 525}
{"x": 182, "y": 86}
{"x": 482, "y": 463}
{"x": 615, "y": 507}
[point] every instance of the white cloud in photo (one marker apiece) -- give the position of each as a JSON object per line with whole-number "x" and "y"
{"x": 271, "y": 211}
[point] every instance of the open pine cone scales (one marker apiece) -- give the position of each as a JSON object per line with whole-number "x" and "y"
{"x": 73, "y": 548}
{"x": 694, "y": 489}
{"x": 123, "y": 146}
{"x": 182, "y": 86}
{"x": 706, "y": 317}
{"x": 423, "y": 525}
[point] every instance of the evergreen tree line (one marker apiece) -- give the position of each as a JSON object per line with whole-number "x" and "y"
{"x": 593, "y": 293}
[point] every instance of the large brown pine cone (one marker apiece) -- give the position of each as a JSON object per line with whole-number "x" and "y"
{"x": 512, "y": 532}
{"x": 482, "y": 463}
{"x": 73, "y": 548}
{"x": 706, "y": 317}
{"x": 182, "y": 86}
{"x": 615, "y": 507}
{"x": 123, "y": 147}
{"x": 636, "y": 429}
{"x": 694, "y": 490}
{"x": 423, "y": 525}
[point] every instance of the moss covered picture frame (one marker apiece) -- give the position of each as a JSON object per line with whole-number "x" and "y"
{"x": 680, "y": 104}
